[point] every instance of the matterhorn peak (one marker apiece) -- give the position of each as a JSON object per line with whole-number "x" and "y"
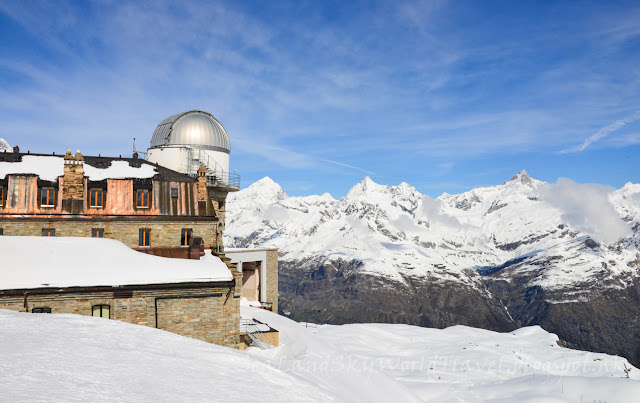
{"x": 4, "y": 146}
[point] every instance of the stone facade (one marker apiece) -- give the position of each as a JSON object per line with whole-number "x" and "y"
{"x": 163, "y": 233}
{"x": 202, "y": 184}
{"x": 272, "y": 278}
{"x": 73, "y": 182}
{"x": 207, "y": 312}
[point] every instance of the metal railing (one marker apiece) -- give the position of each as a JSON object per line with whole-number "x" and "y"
{"x": 216, "y": 176}
{"x": 255, "y": 334}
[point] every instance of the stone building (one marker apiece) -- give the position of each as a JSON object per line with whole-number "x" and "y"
{"x": 144, "y": 205}
{"x": 158, "y": 205}
{"x": 195, "y": 298}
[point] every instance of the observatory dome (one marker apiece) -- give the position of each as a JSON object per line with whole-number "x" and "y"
{"x": 192, "y": 128}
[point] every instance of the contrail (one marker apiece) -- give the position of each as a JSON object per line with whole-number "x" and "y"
{"x": 349, "y": 166}
{"x": 607, "y": 130}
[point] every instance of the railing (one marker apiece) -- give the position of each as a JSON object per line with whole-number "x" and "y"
{"x": 230, "y": 179}
{"x": 252, "y": 328}
{"x": 215, "y": 175}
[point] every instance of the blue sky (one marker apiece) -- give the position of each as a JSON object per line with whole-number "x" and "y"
{"x": 443, "y": 95}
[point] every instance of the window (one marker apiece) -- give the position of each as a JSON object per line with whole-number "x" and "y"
{"x": 47, "y": 197}
{"x": 143, "y": 237}
{"x": 142, "y": 198}
{"x": 97, "y": 232}
{"x": 101, "y": 311}
{"x": 1, "y": 196}
{"x": 185, "y": 236}
{"x": 41, "y": 310}
{"x": 174, "y": 193}
{"x": 1, "y": 231}
{"x": 96, "y": 197}
{"x": 48, "y": 232}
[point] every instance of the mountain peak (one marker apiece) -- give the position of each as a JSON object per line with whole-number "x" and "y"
{"x": 366, "y": 186}
{"x": 267, "y": 189}
{"x": 4, "y": 146}
{"x": 522, "y": 177}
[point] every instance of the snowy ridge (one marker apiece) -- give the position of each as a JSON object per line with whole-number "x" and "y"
{"x": 564, "y": 234}
{"x": 4, "y": 146}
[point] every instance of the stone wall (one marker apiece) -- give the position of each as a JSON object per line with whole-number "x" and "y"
{"x": 209, "y": 313}
{"x": 73, "y": 182}
{"x": 272, "y": 278}
{"x": 163, "y": 233}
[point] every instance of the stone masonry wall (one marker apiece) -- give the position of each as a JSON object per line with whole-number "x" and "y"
{"x": 73, "y": 183}
{"x": 272, "y": 278}
{"x": 209, "y": 313}
{"x": 163, "y": 234}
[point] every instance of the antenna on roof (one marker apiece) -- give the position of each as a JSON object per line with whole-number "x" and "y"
{"x": 136, "y": 152}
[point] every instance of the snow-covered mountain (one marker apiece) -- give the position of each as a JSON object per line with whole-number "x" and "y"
{"x": 4, "y": 146}
{"x": 520, "y": 253}
{"x": 396, "y": 231}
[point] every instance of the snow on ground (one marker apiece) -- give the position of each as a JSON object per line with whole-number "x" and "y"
{"x": 51, "y": 167}
{"x": 44, "y": 262}
{"x": 78, "y": 358}
{"x": 457, "y": 364}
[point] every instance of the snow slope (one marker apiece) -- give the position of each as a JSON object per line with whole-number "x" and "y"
{"x": 66, "y": 358}
{"x": 44, "y": 262}
{"x": 579, "y": 234}
{"x": 457, "y": 364}
{"x": 78, "y": 358}
{"x": 4, "y": 146}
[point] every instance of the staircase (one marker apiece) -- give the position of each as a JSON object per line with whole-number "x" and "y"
{"x": 216, "y": 176}
{"x": 255, "y": 332}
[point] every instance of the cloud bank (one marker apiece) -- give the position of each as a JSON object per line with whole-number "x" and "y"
{"x": 432, "y": 210}
{"x": 587, "y": 209}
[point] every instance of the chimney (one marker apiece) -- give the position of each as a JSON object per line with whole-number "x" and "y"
{"x": 73, "y": 181}
{"x": 202, "y": 183}
{"x": 135, "y": 162}
{"x": 16, "y": 154}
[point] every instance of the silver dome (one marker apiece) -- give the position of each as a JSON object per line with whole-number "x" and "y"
{"x": 192, "y": 128}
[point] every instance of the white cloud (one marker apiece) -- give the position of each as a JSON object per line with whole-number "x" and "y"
{"x": 587, "y": 209}
{"x": 406, "y": 223}
{"x": 432, "y": 210}
{"x": 276, "y": 214}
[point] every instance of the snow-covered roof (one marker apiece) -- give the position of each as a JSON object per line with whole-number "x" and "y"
{"x": 35, "y": 262}
{"x": 49, "y": 167}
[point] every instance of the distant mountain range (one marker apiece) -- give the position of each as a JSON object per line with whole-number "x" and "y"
{"x": 564, "y": 256}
